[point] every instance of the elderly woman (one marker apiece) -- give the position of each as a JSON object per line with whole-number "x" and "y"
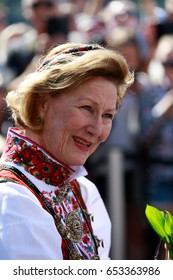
{"x": 62, "y": 113}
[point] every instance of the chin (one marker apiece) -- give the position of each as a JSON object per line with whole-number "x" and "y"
{"x": 78, "y": 162}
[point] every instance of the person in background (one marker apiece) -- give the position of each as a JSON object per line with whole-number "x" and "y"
{"x": 120, "y": 13}
{"x": 125, "y": 132}
{"x": 151, "y": 17}
{"x": 36, "y": 13}
{"x": 165, "y": 26}
{"x": 4, "y": 17}
{"x": 157, "y": 130}
{"x": 17, "y": 42}
{"x": 156, "y": 135}
{"x": 47, "y": 25}
{"x": 49, "y": 17}
{"x": 62, "y": 112}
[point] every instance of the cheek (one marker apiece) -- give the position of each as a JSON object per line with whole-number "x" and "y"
{"x": 75, "y": 122}
{"x": 69, "y": 123}
{"x": 105, "y": 133}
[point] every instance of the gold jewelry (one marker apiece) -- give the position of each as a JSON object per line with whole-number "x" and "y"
{"x": 40, "y": 120}
{"x": 74, "y": 227}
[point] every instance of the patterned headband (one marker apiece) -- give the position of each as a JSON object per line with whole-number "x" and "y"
{"x": 61, "y": 57}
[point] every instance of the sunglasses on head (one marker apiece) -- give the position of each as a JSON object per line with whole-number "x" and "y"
{"x": 47, "y": 4}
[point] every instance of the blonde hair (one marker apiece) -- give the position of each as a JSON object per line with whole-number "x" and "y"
{"x": 63, "y": 69}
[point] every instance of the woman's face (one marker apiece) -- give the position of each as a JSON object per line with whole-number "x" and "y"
{"x": 76, "y": 122}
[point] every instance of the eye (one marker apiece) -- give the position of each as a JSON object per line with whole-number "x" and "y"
{"x": 108, "y": 116}
{"x": 87, "y": 107}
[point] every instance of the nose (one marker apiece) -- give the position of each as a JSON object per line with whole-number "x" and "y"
{"x": 95, "y": 127}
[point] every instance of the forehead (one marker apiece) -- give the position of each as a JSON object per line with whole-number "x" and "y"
{"x": 92, "y": 87}
{"x": 97, "y": 89}
{"x": 98, "y": 82}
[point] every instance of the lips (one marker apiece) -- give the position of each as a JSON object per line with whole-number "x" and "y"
{"x": 82, "y": 142}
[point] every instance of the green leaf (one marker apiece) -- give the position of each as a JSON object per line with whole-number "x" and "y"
{"x": 168, "y": 223}
{"x": 157, "y": 221}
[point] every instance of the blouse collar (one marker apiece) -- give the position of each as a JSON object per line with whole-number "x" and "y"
{"x": 23, "y": 152}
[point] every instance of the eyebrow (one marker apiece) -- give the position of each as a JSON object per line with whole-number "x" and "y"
{"x": 93, "y": 101}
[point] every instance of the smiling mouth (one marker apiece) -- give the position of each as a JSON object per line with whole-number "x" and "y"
{"x": 82, "y": 142}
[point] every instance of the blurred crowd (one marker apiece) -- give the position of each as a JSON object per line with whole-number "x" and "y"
{"x": 143, "y": 127}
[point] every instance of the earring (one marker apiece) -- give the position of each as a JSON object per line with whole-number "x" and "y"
{"x": 40, "y": 119}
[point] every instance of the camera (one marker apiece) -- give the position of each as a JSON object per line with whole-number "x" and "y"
{"x": 163, "y": 28}
{"x": 58, "y": 25}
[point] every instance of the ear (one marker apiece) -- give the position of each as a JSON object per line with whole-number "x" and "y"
{"x": 43, "y": 105}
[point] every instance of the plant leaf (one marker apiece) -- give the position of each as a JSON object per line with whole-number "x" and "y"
{"x": 168, "y": 223}
{"x": 157, "y": 221}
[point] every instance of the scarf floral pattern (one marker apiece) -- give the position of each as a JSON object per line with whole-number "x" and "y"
{"x": 35, "y": 162}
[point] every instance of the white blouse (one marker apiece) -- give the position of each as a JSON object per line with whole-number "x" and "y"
{"x": 28, "y": 232}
